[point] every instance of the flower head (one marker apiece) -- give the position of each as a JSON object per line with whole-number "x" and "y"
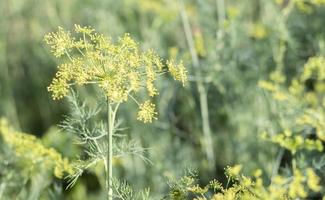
{"x": 147, "y": 112}
{"x": 118, "y": 69}
{"x": 178, "y": 71}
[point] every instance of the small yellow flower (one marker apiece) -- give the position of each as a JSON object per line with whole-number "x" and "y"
{"x": 197, "y": 189}
{"x": 147, "y": 112}
{"x": 59, "y": 42}
{"x": 178, "y": 71}
{"x": 280, "y": 96}
{"x": 296, "y": 188}
{"x": 258, "y": 31}
{"x": 267, "y": 85}
{"x": 199, "y": 44}
{"x": 258, "y": 173}
{"x": 59, "y": 88}
{"x": 233, "y": 171}
{"x": 277, "y": 76}
{"x": 233, "y": 12}
{"x": 313, "y": 180}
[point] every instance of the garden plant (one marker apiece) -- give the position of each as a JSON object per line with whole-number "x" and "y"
{"x": 162, "y": 99}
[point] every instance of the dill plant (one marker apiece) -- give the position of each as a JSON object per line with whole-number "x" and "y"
{"x": 121, "y": 70}
{"x": 28, "y": 166}
{"x": 240, "y": 186}
{"x": 301, "y": 116}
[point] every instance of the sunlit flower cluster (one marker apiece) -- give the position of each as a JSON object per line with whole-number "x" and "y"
{"x": 147, "y": 112}
{"x": 178, "y": 71}
{"x": 250, "y": 188}
{"x": 233, "y": 171}
{"x": 29, "y": 148}
{"x": 303, "y": 105}
{"x": 295, "y": 142}
{"x": 121, "y": 69}
{"x": 306, "y": 95}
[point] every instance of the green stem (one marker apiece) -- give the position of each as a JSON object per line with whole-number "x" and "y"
{"x": 200, "y": 87}
{"x": 221, "y": 13}
{"x": 111, "y": 114}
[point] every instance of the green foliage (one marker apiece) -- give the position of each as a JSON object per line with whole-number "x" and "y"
{"x": 243, "y": 187}
{"x": 83, "y": 123}
{"x": 254, "y": 96}
{"x": 28, "y": 167}
{"x": 30, "y": 149}
{"x": 120, "y": 71}
{"x": 123, "y": 191}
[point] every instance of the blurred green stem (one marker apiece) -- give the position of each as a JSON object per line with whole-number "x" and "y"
{"x": 111, "y": 114}
{"x": 9, "y": 106}
{"x": 200, "y": 86}
{"x": 221, "y": 20}
{"x": 221, "y": 13}
{"x": 2, "y": 188}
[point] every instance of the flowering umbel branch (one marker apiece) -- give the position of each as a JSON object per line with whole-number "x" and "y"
{"x": 119, "y": 69}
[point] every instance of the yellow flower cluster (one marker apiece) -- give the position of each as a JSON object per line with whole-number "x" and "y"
{"x": 199, "y": 44}
{"x": 258, "y": 31}
{"x": 30, "y": 149}
{"x": 233, "y": 172}
{"x": 147, "y": 112}
{"x": 314, "y": 69}
{"x": 294, "y": 142}
{"x": 297, "y": 186}
{"x": 280, "y": 188}
{"x": 121, "y": 69}
{"x": 251, "y": 188}
{"x": 314, "y": 119}
{"x": 60, "y": 42}
{"x": 313, "y": 181}
{"x": 178, "y": 71}
{"x": 306, "y": 95}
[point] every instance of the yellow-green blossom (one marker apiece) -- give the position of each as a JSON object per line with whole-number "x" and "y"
{"x": 313, "y": 180}
{"x": 178, "y": 71}
{"x": 120, "y": 69}
{"x": 258, "y": 31}
{"x": 147, "y": 112}
{"x": 296, "y": 188}
{"x": 28, "y": 147}
{"x": 234, "y": 171}
{"x": 60, "y": 42}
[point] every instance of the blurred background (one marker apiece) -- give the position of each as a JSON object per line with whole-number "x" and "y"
{"x": 215, "y": 121}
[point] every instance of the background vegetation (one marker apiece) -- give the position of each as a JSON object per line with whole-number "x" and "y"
{"x": 245, "y": 58}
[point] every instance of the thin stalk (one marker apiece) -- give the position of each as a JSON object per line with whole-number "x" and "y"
{"x": 221, "y": 21}
{"x": 276, "y": 164}
{"x": 200, "y": 87}
{"x": 2, "y": 189}
{"x": 221, "y": 13}
{"x": 111, "y": 114}
{"x": 9, "y": 102}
